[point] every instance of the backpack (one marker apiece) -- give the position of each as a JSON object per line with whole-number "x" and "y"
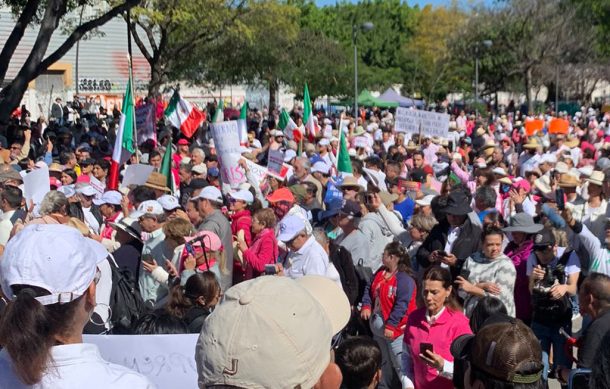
{"x": 125, "y": 300}
{"x": 546, "y": 310}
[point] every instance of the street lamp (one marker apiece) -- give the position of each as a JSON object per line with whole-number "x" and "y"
{"x": 364, "y": 27}
{"x": 487, "y": 44}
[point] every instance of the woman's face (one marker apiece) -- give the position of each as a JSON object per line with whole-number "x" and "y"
{"x": 257, "y": 226}
{"x": 492, "y": 246}
{"x": 416, "y": 234}
{"x": 390, "y": 261}
{"x": 98, "y": 172}
{"x": 481, "y": 180}
{"x": 518, "y": 237}
{"x": 594, "y": 190}
{"x": 435, "y": 295}
{"x": 66, "y": 179}
{"x": 236, "y": 205}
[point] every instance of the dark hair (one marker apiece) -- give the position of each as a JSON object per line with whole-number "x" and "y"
{"x": 359, "y": 359}
{"x": 486, "y": 307}
{"x": 153, "y": 154}
{"x": 158, "y": 323}
{"x": 357, "y": 165}
{"x": 404, "y": 262}
{"x": 491, "y": 230}
{"x": 181, "y": 299}
{"x": 104, "y": 164}
{"x": 488, "y": 174}
{"x": 71, "y": 173}
{"x": 490, "y": 382}
{"x": 141, "y": 193}
{"x": 487, "y": 195}
{"x": 437, "y": 273}
{"x": 65, "y": 157}
{"x": 496, "y": 220}
{"x": 28, "y": 330}
{"x": 597, "y": 285}
{"x": 13, "y": 196}
{"x": 600, "y": 371}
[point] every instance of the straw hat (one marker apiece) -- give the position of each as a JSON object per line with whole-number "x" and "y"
{"x": 568, "y": 181}
{"x": 55, "y": 167}
{"x": 532, "y": 144}
{"x": 157, "y": 181}
{"x": 411, "y": 145}
{"x": 596, "y": 178}
{"x": 480, "y": 131}
{"x": 572, "y": 142}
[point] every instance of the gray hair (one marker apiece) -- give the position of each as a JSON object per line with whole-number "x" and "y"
{"x": 320, "y": 236}
{"x": 198, "y": 151}
{"x": 306, "y": 163}
{"x": 54, "y": 202}
{"x": 487, "y": 195}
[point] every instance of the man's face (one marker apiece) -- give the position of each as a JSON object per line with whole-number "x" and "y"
{"x": 196, "y": 159}
{"x": 82, "y": 155}
{"x": 185, "y": 175}
{"x": 86, "y": 201}
{"x": 148, "y": 224}
{"x": 15, "y": 150}
{"x": 297, "y": 242}
{"x": 497, "y": 155}
{"x": 299, "y": 171}
{"x": 156, "y": 161}
{"x": 418, "y": 161}
{"x": 281, "y": 208}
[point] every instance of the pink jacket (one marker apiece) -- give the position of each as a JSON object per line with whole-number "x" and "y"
{"x": 242, "y": 220}
{"x": 449, "y": 326}
{"x": 523, "y": 299}
{"x": 264, "y": 250}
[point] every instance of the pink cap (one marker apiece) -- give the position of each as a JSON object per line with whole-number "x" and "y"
{"x": 83, "y": 178}
{"x": 210, "y": 240}
{"x": 55, "y": 182}
{"x": 183, "y": 142}
{"x": 522, "y": 184}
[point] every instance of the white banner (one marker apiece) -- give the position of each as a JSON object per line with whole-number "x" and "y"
{"x": 136, "y": 174}
{"x": 361, "y": 141}
{"x": 167, "y": 360}
{"x": 275, "y": 160}
{"x": 432, "y": 123}
{"x": 226, "y": 141}
{"x": 36, "y": 185}
{"x": 259, "y": 172}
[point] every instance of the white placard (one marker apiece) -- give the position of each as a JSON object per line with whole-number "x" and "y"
{"x": 361, "y": 141}
{"x": 98, "y": 186}
{"x": 36, "y": 185}
{"x": 275, "y": 160}
{"x": 136, "y": 174}
{"x": 167, "y": 360}
{"x": 259, "y": 172}
{"x": 432, "y": 123}
{"x": 228, "y": 150}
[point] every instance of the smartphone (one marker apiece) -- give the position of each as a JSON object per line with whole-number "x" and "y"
{"x": 270, "y": 270}
{"x": 465, "y": 273}
{"x": 189, "y": 248}
{"x": 560, "y": 199}
{"x": 148, "y": 258}
{"x": 423, "y": 347}
{"x": 442, "y": 253}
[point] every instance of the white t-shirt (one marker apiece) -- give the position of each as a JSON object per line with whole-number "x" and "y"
{"x": 572, "y": 266}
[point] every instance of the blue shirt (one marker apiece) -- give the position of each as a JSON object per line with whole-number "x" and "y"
{"x": 405, "y": 209}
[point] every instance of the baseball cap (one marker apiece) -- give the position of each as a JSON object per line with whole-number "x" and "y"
{"x": 213, "y": 172}
{"x": 211, "y": 193}
{"x": 320, "y": 167}
{"x": 87, "y": 190}
{"x": 53, "y": 257}
{"x": 351, "y": 208}
{"x": 67, "y": 190}
{"x": 289, "y": 227}
{"x": 147, "y": 207}
{"x": 281, "y": 194}
{"x": 111, "y": 197}
{"x": 324, "y": 142}
{"x": 544, "y": 239}
{"x": 289, "y": 155}
{"x": 199, "y": 169}
{"x": 265, "y": 322}
{"x": 54, "y": 182}
{"x": 425, "y": 201}
{"x": 243, "y": 195}
{"x": 168, "y": 202}
{"x": 505, "y": 349}
{"x": 183, "y": 142}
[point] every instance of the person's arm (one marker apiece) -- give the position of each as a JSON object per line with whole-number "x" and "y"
{"x": 264, "y": 255}
{"x": 404, "y": 293}
{"x": 25, "y": 149}
{"x": 391, "y": 221}
{"x": 600, "y": 256}
{"x": 461, "y": 174}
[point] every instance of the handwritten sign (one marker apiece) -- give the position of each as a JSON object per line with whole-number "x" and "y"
{"x": 431, "y": 123}
{"x": 98, "y": 186}
{"x": 228, "y": 150}
{"x": 361, "y": 141}
{"x": 559, "y": 126}
{"x": 533, "y": 126}
{"x": 136, "y": 174}
{"x": 166, "y": 360}
{"x": 259, "y": 172}
{"x": 36, "y": 185}
{"x": 275, "y": 160}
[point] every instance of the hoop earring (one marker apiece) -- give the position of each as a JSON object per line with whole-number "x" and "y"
{"x": 105, "y": 322}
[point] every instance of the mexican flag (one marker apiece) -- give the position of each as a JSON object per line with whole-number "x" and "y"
{"x": 344, "y": 164}
{"x": 166, "y": 168}
{"x": 124, "y": 144}
{"x": 183, "y": 115}
{"x": 242, "y": 124}
{"x": 289, "y": 127}
{"x": 311, "y": 127}
{"x": 219, "y": 115}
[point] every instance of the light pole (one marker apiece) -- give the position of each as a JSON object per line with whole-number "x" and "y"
{"x": 366, "y": 26}
{"x": 486, "y": 43}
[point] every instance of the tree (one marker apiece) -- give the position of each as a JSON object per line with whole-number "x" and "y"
{"x": 175, "y": 30}
{"x": 48, "y": 15}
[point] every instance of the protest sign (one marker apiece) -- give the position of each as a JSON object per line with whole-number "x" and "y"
{"x": 145, "y": 123}
{"x": 98, "y": 186}
{"x": 228, "y": 150}
{"x": 275, "y": 160}
{"x": 414, "y": 120}
{"x": 36, "y": 185}
{"x": 167, "y": 360}
{"x": 559, "y": 126}
{"x": 361, "y": 141}
{"x": 259, "y": 172}
{"x": 136, "y": 174}
{"x": 533, "y": 126}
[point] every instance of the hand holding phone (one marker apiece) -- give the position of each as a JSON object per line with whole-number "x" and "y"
{"x": 270, "y": 270}
{"x": 423, "y": 347}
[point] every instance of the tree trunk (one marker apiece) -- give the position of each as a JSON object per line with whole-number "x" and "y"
{"x": 13, "y": 40}
{"x": 156, "y": 79}
{"x": 528, "y": 92}
{"x": 10, "y": 97}
{"x": 273, "y": 91}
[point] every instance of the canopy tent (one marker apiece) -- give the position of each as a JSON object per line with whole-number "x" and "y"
{"x": 391, "y": 95}
{"x": 368, "y": 100}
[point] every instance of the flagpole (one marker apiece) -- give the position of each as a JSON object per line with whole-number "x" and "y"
{"x": 130, "y": 67}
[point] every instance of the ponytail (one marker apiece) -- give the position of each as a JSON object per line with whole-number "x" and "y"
{"x": 181, "y": 299}
{"x": 178, "y": 303}
{"x": 404, "y": 260}
{"x": 28, "y": 330}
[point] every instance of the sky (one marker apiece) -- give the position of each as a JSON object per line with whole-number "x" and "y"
{"x": 421, "y": 3}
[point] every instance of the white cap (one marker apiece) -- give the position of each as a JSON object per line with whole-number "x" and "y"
{"x": 320, "y": 167}
{"x": 427, "y": 200}
{"x": 289, "y": 227}
{"x": 243, "y": 195}
{"x": 210, "y": 193}
{"x": 147, "y": 207}
{"x": 276, "y": 133}
{"x": 266, "y": 322}
{"x": 561, "y": 167}
{"x": 168, "y": 202}
{"x": 87, "y": 190}
{"x": 111, "y": 197}
{"x": 324, "y": 142}
{"x": 200, "y": 168}
{"x": 289, "y": 155}
{"x": 586, "y": 170}
{"x": 67, "y": 190}
{"x": 53, "y": 257}
{"x": 548, "y": 158}
{"x": 499, "y": 171}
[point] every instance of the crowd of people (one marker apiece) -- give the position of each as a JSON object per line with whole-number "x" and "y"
{"x": 461, "y": 262}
